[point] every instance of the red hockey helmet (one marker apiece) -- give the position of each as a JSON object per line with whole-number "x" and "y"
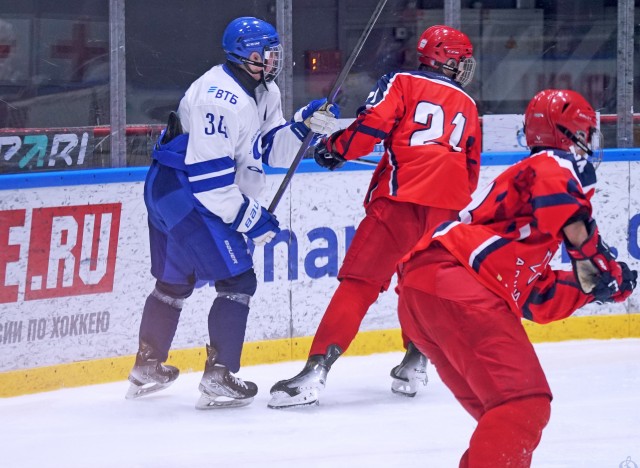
{"x": 563, "y": 119}
{"x": 445, "y": 48}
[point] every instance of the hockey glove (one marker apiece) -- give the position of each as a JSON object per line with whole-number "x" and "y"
{"x": 327, "y": 158}
{"x": 256, "y": 222}
{"x": 319, "y": 116}
{"x": 595, "y": 266}
{"x": 602, "y": 291}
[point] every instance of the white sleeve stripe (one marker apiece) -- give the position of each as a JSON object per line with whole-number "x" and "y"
{"x": 481, "y": 248}
{"x": 212, "y": 174}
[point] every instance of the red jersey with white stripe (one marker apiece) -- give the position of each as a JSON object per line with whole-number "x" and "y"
{"x": 432, "y": 142}
{"x": 513, "y": 227}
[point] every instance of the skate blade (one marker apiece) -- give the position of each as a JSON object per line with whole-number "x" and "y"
{"x": 206, "y": 402}
{"x": 137, "y": 391}
{"x": 404, "y": 390}
{"x": 282, "y": 400}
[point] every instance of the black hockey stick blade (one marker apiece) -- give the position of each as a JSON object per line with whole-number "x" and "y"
{"x": 330, "y": 98}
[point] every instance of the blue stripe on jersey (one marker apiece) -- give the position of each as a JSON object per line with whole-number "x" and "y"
{"x": 300, "y": 130}
{"x": 210, "y": 167}
{"x": 436, "y": 76}
{"x": 374, "y": 132}
{"x": 537, "y": 297}
{"x": 488, "y": 250}
{"x": 501, "y": 196}
{"x": 555, "y": 199}
{"x": 267, "y": 143}
{"x": 378, "y": 91}
{"x": 211, "y": 183}
{"x": 442, "y": 226}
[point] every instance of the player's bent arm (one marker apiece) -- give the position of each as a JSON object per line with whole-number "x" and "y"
{"x": 281, "y": 144}
{"x": 384, "y": 107}
{"x": 556, "y": 296}
{"x": 553, "y": 204}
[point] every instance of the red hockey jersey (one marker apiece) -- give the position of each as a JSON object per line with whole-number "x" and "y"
{"x": 512, "y": 228}
{"x": 432, "y": 142}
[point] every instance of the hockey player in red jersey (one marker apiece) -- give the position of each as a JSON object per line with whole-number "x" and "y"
{"x": 429, "y": 169}
{"x": 465, "y": 289}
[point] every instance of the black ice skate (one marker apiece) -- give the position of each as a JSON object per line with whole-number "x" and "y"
{"x": 220, "y": 388}
{"x": 304, "y": 389}
{"x": 149, "y": 375}
{"x": 409, "y": 373}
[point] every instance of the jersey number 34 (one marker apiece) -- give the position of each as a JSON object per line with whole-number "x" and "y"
{"x": 211, "y": 128}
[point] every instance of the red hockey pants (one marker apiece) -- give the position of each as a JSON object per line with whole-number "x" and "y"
{"x": 388, "y": 232}
{"x": 481, "y": 352}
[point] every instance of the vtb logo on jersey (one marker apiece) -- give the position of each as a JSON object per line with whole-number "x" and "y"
{"x": 223, "y": 94}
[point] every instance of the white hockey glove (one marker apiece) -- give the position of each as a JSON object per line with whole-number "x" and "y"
{"x": 319, "y": 116}
{"x": 256, "y": 222}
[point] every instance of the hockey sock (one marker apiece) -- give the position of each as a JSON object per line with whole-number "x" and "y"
{"x": 343, "y": 316}
{"x": 159, "y": 323}
{"x": 508, "y": 434}
{"x": 227, "y": 324}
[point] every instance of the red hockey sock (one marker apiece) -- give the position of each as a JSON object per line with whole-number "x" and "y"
{"x": 508, "y": 434}
{"x": 343, "y": 316}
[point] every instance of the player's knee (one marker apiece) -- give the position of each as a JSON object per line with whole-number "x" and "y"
{"x": 175, "y": 290}
{"x": 527, "y": 417}
{"x": 239, "y": 288}
{"x": 172, "y": 294}
{"x": 509, "y": 433}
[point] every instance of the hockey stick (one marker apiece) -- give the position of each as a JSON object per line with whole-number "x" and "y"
{"x": 330, "y": 98}
{"x": 367, "y": 162}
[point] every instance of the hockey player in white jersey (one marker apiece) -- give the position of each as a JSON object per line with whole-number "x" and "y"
{"x": 201, "y": 194}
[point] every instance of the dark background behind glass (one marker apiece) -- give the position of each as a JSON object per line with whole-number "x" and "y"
{"x": 54, "y": 56}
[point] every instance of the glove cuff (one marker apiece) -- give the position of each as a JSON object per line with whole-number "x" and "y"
{"x": 248, "y": 215}
{"x": 589, "y": 248}
{"x": 331, "y": 139}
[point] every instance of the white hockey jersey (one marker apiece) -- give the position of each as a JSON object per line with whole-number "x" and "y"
{"x": 229, "y": 140}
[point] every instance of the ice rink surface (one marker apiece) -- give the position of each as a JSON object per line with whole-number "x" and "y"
{"x": 595, "y": 420}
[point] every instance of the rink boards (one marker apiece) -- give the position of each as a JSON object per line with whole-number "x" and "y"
{"x": 74, "y": 272}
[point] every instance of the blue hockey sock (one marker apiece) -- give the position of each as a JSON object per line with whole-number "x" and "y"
{"x": 227, "y": 324}
{"x": 159, "y": 324}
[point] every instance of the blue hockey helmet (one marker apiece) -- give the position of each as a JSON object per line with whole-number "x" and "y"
{"x": 246, "y": 35}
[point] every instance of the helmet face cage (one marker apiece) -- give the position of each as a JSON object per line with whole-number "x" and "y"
{"x": 273, "y": 61}
{"x": 466, "y": 69}
{"x": 596, "y": 146}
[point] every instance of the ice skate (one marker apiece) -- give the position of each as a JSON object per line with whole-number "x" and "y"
{"x": 149, "y": 375}
{"x": 220, "y": 388}
{"x": 411, "y": 372}
{"x": 304, "y": 389}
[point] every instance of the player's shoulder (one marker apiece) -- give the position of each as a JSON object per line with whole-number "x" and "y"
{"x": 429, "y": 78}
{"x": 217, "y": 86}
{"x": 551, "y": 159}
{"x": 554, "y": 161}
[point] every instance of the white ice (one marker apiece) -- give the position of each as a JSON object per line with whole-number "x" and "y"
{"x": 595, "y": 420}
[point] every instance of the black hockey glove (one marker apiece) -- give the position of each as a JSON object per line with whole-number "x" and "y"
{"x": 325, "y": 157}
{"x": 604, "y": 290}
